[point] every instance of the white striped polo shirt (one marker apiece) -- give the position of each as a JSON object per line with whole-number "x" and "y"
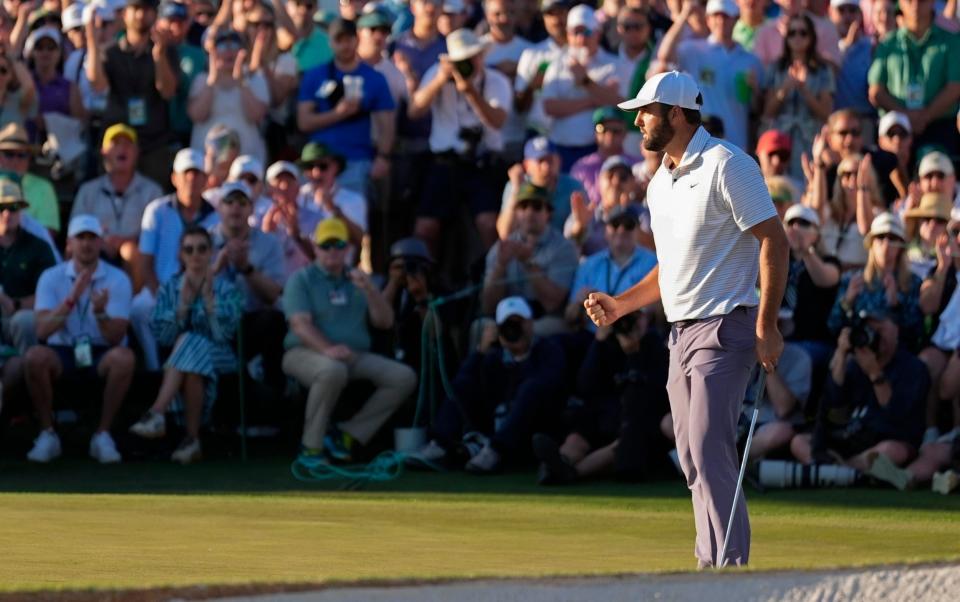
{"x": 700, "y": 215}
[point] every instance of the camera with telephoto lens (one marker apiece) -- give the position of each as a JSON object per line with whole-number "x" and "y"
{"x": 465, "y": 67}
{"x": 861, "y": 333}
{"x": 511, "y": 330}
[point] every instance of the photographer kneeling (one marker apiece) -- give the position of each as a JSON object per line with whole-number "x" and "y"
{"x": 882, "y": 386}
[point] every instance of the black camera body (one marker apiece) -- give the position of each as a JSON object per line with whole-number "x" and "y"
{"x": 465, "y": 67}
{"x": 511, "y": 330}
{"x": 862, "y": 335}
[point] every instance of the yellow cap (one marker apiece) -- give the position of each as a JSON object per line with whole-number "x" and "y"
{"x": 115, "y": 130}
{"x": 331, "y": 228}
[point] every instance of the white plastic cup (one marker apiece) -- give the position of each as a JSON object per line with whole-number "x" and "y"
{"x": 409, "y": 440}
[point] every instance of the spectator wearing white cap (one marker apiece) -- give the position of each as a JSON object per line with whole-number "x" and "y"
{"x": 937, "y": 174}
{"x": 583, "y": 79}
{"x": 286, "y": 218}
{"x": 83, "y": 311}
{"x": 856, "y": 54}
{"x": 634, "y": 27}
{"x": 249, "y": 170}
{"x": 469, "y": 105}
{"x": 729, "y": 77}
{"x": 75, "y": 67}
{"x": 44, "y": 53}
{"x": 534, "y": 62}
{"x": 163, "y": 223}
{"x": 453, "y": 16}
{"x": 540, "y": 167}
{"x": 118, "y": 198}
{"x": 252, "y": 260}
{"x": 505, "y": 392}
{"x": 896, "y": 136}
{"x": 504, "y": 48}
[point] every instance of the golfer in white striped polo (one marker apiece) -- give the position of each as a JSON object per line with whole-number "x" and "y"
{"x": 715, "y": 228}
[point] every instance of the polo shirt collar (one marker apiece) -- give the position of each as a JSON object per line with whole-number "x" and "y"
{"x": 328, "y": 276}
{"x": 205, "y": 209}
{"x": 908, "y": 37}
{"x": 694, "y": 148}
{"x": 134, "y": 184}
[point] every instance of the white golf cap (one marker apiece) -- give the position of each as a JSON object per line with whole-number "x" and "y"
{"x": 891, "y": 119}
{"x": 84, "y": 223}
{"x": 245, "y": 164}
{"x": 229, "y": 188}
{"x": 674, "y": 88}
{"x": 582, "y": 15}
{"x": 72, "y": 16}
{"x": 798, "y": 211}
{"x": 47, "y": 32}
{"x": 100, "y": 9}
{"x": 187, "y": 159}
{"x": 280, "y": 167}
{"x": 839, "y": 3}
{"x": 513, "y": 306}
{"x": 885, "y": 223}
{"x": 727, "y": 7}
{"x": 935, "y": 161}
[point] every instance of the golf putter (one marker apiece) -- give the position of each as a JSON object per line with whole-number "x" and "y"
{"x": 743, "y": 466}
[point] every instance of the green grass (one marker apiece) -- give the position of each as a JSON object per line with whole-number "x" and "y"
{"x": 75, "y": 525}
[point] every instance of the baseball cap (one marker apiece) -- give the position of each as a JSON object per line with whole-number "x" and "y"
{"x": 228, "y": 35}
{"x": 330, "y": 229}
{"x": 529, "y": 191}
{"x": 374, "y": 18}
{"x": 46, "y": 32}
{"x": 727, "y": 7}
{"x": 187, "y": 159}
{"x": 281, "y": 167}
{"x": 885, "y": 223}
{"x": 892, "y": 118}
{"x": 582, "y": 15}
{"x": 935, "y": 161}
{"x": 172, "y": 10}
{"x": 341, "y": 26}
{"x": 798, "y": 211}
{"x": 245, "y": 164}
{"x": 234, "y": 187}
{"x": 72, "y": 16}
{"x": 143, "y": 3}
{"x": 607, "y": 114}
{"x": 513, "y": 306}
{"x": 839, "y": 3}
{"x": 546, "y": 5}
{"x": 410, "y": 248}
{"x": 621, "y": 213}
{"x": 673, "y": 88}
{"x": 115, "y": 131}
{"x": 772, "y": 141}
{"x": 614, "y": 162}
{"x": 315, "y": 151}
{"x": 538, "y": 148}
{"x": 84, "y": 223}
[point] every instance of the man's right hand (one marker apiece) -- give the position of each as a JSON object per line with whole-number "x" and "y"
{"x": 347, "y": 107}
{"x": 80, "y": 284}
{"x": 340, "y": 353}
{"x": 603, "y": 309}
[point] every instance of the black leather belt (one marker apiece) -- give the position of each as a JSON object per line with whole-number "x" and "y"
{"x": 685, "y": 323}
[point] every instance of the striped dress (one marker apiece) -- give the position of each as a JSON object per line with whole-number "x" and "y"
{"x": 202, "y": 344}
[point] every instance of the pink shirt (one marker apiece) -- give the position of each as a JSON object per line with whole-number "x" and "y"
{"x": 769, "y": 43}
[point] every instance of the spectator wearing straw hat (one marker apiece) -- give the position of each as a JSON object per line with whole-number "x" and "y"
{"x": 83, "y": 312}
{"x": 15, "y": 154}
{"x": 330, "y": 309}
{"x": 119, "y": 197}
{"x": 924, "y": 225}
{"x": 23, "y": 258}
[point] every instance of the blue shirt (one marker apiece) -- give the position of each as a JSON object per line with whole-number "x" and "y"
{"x": 852, "y": 78}
{"x": 599, "y": 273}
{"x": 161, "y": 230}
{"x": 351, "y": 136}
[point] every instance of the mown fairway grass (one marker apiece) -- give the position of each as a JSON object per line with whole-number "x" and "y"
{"x": 75, "y": 525}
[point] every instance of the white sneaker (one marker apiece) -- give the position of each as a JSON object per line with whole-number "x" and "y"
{"x": 46, "y": 447}
{"x": 103, "y": 449}
{"x": 150, "y": 426}
{"x": 488, "y": 460}
{"x": 431, "y": 452}
{"x": 187, "y": 452}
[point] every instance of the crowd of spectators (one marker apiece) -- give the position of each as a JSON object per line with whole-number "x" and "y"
{"x": 420, "y": 195}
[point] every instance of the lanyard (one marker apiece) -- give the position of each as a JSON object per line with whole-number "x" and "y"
{"x": 612, "y": 290}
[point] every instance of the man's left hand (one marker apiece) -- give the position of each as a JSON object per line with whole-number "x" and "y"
{"x": 769, "y": 347}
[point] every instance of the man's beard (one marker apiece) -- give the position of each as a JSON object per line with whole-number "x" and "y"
{"x": 656, "y": 140}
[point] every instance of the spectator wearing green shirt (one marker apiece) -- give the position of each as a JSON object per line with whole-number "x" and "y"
{"x": 312, "y": 47}
{"x": 328, "y": 306}
{"x": 173, "y": 17}
{"x": 751, "y": 18}
{"x": 916, "y": 71}
{"x": 15, "y": 153}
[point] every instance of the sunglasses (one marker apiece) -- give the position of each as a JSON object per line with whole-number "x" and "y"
{"x": 783, "y": 155}
{"x": 892, "y": 238}
{"x": 626, "y": 224}
{"x": 532, "y": 205}
{"x": 846, "y": 174}
{"x": 4, "y": 71}
{"x": 7, "y": 154}
{"x": 10, "y": 208}
{"x": 632, "y": 26}
{"x": 382, "y": 29}
{"x": 209, "y": 14}
{"x": 798, "y": 33}
{"x": 229, "y": 46}
{"x": 333, "y": 245}
{"x": 262, "y": 24}
{"x": 852, "y": 132}
{"x": 198, "y": 249}
{"x": 955, "y": 232}
{"x": 898, "y": 133}
{"x": 938, "y": 175}
{"x": 236, "y": 198}
{"x": 321, "y": 165}
{"x": 937, "y": 220}
{"x": 250, "y": 179}
{"x": 800, "y": 223}
{"x": 583, "y": 31}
